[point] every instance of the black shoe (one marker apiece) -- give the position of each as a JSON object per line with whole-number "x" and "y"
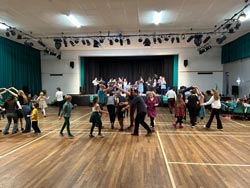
{"x": 24, "y": 131}
{"x": 6, "y": 133}
{"x": 61, "y": 134}
{"x": 71, "y": 136}
{"x": 149, "y": 134}
{"x": 134, "y": 134}
{"x": 91, "y": 136}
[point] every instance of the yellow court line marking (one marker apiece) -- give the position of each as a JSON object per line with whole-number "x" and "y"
{"x": 210, "y": 164}
{"x": 166, "y": 162}
{"x": 28, "y": 143}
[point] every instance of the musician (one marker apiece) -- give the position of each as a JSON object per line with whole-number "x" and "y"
{"x": 95, "y": 82}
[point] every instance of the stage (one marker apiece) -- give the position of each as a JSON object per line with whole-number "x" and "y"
{"x": 86, "y": 100}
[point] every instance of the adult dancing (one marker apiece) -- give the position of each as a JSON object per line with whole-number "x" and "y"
{"x": 140, "y": 105}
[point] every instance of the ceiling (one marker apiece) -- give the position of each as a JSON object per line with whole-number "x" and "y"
{"x": 46, "y": 19}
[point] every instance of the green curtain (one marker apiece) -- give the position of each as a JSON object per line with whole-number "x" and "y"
{"x": 236, "y": 50}
{"x": 20, "y": 66}
{"x": 82, "y": 71}
{"x": 175, "y": 71}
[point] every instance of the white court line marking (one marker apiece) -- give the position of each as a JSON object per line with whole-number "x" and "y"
{"x": 12, "y": 151}
{"x": 27, "y": 144}
{"x": 207, "y": 135}
{"x": 166, "y": 162}
{"x": 210, "y": 164}
{"x": 237, "y": 123}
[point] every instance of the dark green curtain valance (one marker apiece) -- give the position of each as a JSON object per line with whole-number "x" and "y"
{"x": 236, "y": 50}
{"x": 20, "y": 66}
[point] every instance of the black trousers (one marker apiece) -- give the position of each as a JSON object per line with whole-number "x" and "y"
{"x": 214, "y": 112}
{"x": 35, "y": 127}
{"x": 192, "y": 115}
{"x": 99, "y": 128}
{"x": 60, "y": 105}
{"x": 152, "y": 123}
{"x": 111, "y": 110}
{"x": 140, "y": 119}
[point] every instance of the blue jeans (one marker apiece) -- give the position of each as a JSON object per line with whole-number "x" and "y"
{"x": 11, "y": 116}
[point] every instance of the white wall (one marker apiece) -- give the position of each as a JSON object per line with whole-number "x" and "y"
{"x": 70, "y": 81}
{"x": 238, "y": 70}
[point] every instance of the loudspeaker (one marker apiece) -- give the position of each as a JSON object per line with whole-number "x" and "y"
{"x": 81, "y": 90}
{"x": 71, "y": 64}
{"x": 235, "y": 90}
{"x": 185, "y": 63}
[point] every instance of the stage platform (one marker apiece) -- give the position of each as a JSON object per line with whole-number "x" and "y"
{"x": 85, "y": 100}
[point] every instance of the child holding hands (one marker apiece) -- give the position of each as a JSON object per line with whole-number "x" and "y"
{"x": 95, "y": 118}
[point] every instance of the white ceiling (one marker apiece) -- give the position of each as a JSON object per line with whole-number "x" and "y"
{"x": 46, "y": 18}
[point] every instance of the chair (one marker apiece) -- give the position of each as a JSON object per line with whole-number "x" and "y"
{"x": 224, "y": 108}
{"x": 164, "y": 99}
{"x": 239, "y": 110}
{"x": 91, "y": 98}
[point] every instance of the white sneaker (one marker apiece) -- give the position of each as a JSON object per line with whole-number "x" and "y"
{"x": 100, "y": 135}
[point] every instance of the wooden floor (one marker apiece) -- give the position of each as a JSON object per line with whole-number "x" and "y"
{"x": 169, "y": 158}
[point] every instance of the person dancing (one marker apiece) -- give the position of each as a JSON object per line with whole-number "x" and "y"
{"x": 216, "y": 105}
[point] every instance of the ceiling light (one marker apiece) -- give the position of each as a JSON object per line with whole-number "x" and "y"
{"x": 72, "y": 43}
{"x": 52, "y": 53}
{"x": 237, "y": 26}
{"x": 166, "y": 38}
{"x": 101, "y": 40}
{"x": 159, "y": 40}
{"x": 65, "y": 42}
{"x": 19, "y": 37}
{"x": 7, "y": 34}
{"x": 59, "y": 56}
{"x": 221, "y": 39}
{"x": 73, "y": 20}
{"x": 197, "y": 40}
{"x": 76, "y": 41}
{"x": 231, "y": 30}
{"x": 111, "y": 42}
{"x": 121, "y": 42}
{"x": 29, "y": 44}
{"x": 204, "y": 48}
{"x": 227, "y": 26}
{"x": 242, "y": 17}
{"x": 154, "y": 40}
{"x": 157, "y": 17}
{"x": 190, "y": 38}
{"x": 146, "y": 42}
{"x": 58, "y": 43}
{"x": 41, "y": 43}
{"x": 96, "y": 44}
{"x": 13, "y": 33}
{"x": 177, "y": 39}
{"x": 128, "y": 41}
{"x": 206, "y": 39}
{"x": 88, "y": 42}
{"x": 172, "y": 40}
{"x": 83, "y": 42}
